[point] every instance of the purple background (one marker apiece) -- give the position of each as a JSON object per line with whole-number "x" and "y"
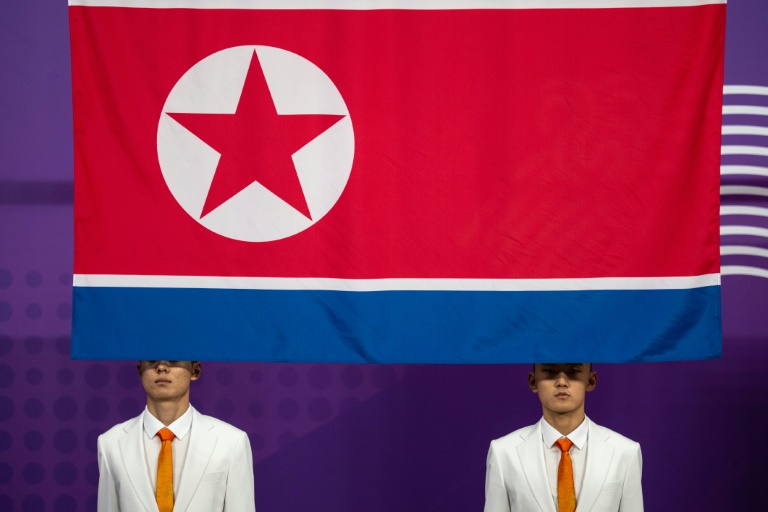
{"x": 342, "y": 438}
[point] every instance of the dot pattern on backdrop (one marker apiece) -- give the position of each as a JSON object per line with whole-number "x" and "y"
{"x": 53, "y": 409}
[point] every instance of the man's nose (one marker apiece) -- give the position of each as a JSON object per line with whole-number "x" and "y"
{"x": 562, "y": 379}
{"x": 162, "y": 365}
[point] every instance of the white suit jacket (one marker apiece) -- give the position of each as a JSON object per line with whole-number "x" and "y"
{"x": 217, "y": 474}
{"x": 516, "y": 474}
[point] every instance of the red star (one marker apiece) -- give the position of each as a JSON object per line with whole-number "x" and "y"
{"x": 256, "y": 143}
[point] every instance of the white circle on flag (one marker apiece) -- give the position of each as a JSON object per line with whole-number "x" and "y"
{"x": 214, "y": 86}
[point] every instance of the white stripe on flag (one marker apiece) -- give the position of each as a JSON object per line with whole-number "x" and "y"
{"x": 378, "y": 285}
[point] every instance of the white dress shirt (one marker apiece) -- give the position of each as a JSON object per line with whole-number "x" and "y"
{"x": 552, "y": 454}
{"x": 179, "y": 445}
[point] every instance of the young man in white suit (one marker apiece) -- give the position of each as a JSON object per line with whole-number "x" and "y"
{"x": 522, "y": 468}
{"x": 212, "y": 468}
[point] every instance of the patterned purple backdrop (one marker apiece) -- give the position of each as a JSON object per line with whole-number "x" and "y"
{"x": 341, "y": 438}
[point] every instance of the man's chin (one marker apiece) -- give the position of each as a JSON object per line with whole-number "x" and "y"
{"x": 564, "y": 408}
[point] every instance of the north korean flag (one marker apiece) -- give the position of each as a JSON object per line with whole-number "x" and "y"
{"x": 443, "y": 181}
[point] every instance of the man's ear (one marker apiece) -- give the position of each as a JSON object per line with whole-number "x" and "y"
{"x": 196, "y": 369}
{"x": 592, "y": 382}
{"x": 532, "y": 382}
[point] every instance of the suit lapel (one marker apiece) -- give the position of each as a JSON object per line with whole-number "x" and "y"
{"x": 134, "y": 460}
{"x": 532, "y": 461}
{"x": 599, "y": 456}
{"x": 202, "y": 442}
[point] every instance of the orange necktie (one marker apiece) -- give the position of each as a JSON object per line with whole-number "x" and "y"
{"x": 164, "y": 490}
{"x": 566, "y": 495}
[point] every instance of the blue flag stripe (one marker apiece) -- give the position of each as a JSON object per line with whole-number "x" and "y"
{"x": 397, "y": 326}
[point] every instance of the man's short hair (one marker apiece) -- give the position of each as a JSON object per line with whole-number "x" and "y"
{"x": 534, "y": 365}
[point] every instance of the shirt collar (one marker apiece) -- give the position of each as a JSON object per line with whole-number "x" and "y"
{"x": 579, "y": 436}
{"x": 180, "y": 427}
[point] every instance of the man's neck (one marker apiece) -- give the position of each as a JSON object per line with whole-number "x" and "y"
{"x": 564, "y": 423}
{"x": 167, "y": 411}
